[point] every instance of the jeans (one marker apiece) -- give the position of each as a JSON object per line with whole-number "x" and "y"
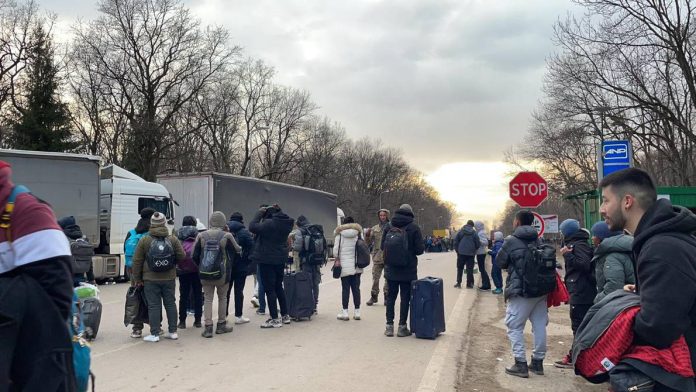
{"x": 315, "y": 272}
{"x": 209, "y": 288}
{"x": 518, "y": 311}
{"x": 272, "y": 279}
{"x": 497, "y": 275}
{"x": 260, "y": 292}
{"x": 485, "y": 282}
{"x": 394, "y": 287}
{"x": 238, "y": 282}
{"x": 468, "y": 262}
{"x": 376, "y": 275}
{"x": 348, "y": 284}
{"x": 190, "y": 285}
{"x": 156, "y": 293}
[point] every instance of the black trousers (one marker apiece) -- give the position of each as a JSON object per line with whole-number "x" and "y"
{"x": 485, "y": 281}
{"x": 272, "y": 278}
{"x": 394, "y": 287}
{"x": 238, "y": 281}
{"x": 348, "y": 284}
{"x": 577, "y": 314}
{"x": 190, "y": 287}
{"x": 468, "y": 262}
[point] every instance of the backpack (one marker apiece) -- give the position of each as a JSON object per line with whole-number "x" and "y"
{"x": 396, "y": 247}
{"x": 212, "y": 265}
{"x": 362, "y": 254}
{"x": 82, "y": 252}
{"x": 9, "y": 208}
{"x": 160, "y": 256}
{"x": 314, "y": 247}
{"x": 539, "y": 270}
{"x": 81, "y": 354}
{"x": 130, "y": 245}
{"x": 187, "y": 265}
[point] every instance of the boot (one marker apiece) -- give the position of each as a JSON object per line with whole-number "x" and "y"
{"x": 197, "y": 324}
{"x": 403, "y": 331}
{"x": 222, "y": 327}
{"x": 537, "y": 366}
{"x": 372, "y": 301}
{"x": 519, "y": 369}
{"x": 182, "y": 324}
{"x": 389, "y": 331}
{"x": 208, "y": 331}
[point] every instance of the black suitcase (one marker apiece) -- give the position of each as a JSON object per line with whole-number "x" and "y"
{"x": 299, "y": 294}
{"x": 91, "y": 316}
{"x": 427, "y": 308}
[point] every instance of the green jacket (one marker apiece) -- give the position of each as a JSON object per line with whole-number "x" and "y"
{"x": 141, "y": 271}
{"x": 613, "y": 265}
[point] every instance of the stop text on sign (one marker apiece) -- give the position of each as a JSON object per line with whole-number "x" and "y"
{"x": 528, "y": 189}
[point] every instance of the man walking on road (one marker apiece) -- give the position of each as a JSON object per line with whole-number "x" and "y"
{"x": 467, "y": 244}
{"x": 664, "y": 250}
{"x": 374, "y": 239}
{"x": 520, "y": 307}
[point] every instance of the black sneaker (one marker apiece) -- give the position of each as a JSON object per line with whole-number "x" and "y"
{"x": 519, "y": 369}
{"x": 403, "y": 331}
{"x": 458, "y": 286}
{"x": 389, "y": 331}
{"x": 484, "y": 289}
{"x": 537, "y": 366}
{"x": 182, "y": 325}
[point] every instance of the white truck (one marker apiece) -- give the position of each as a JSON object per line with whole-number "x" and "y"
{"x": 105, "y": 202}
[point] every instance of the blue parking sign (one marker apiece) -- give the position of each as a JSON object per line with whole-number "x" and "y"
{"x": 616, "y": 155}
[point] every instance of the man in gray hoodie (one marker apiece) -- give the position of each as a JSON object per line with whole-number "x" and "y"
{"x": 302, "y": 238}
{"x": 481, "y": 255}
{"x": 466, "y": 244}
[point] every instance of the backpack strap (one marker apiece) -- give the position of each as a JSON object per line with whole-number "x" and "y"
{"x": 9, "y": 208}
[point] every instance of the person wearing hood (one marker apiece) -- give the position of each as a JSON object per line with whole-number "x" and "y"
{"x": 467, "y": 244}
{"x": 496, "y": 272}
{"x": 272, "y": 227}
{"x": 664, "y": 250}
{"x": 520, "y": 306}
{"x": 190, "y": 288}
{"x": 582, "y": 287}
{"x": 481, "y": 253}
{"x": 74, "y": 233}
{"x": 158, "y": 286}
{"x": 612, "y": 260}
{"x": 374, "y": 240}
{"x": 346, "y": 240}
{"x": 129, "y": 245}
{"x": 400, "y": 275}
{"x": 301, "y": 239}
{"x": 240, "y": 269}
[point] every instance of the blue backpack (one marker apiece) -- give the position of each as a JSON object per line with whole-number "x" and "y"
{"x": 81, "y": 351}
{"x": 130, "y": 245}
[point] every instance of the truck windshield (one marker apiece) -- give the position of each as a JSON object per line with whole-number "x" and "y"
{"x": 159, "y": 204}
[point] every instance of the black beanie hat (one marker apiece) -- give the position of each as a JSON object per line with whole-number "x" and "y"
{"x": 237, "y": 217}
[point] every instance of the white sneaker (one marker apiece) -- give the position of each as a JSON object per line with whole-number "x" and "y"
{"x": 255, "y": 302}
{"x": 151, "y": 338}
{"x": 137, "y": 334}
{"x": 343, "y": 315}
{"x": 286, "y": 319}
{"x": 271, "y": 323}
{"x": 241, "y": 320}
{"x": 172, "y": 336}
{"x": 356, "y": 314}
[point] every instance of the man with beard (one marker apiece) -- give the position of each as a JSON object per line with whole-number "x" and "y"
{"x": 664, "y": 257}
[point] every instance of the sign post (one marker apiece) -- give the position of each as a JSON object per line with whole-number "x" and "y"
{"x": 528, "y": 189}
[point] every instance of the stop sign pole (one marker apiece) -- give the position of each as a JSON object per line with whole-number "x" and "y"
{"x": 528, "y": 189}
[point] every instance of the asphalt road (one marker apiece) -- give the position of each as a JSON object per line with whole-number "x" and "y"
{"x": 318, "y": 355}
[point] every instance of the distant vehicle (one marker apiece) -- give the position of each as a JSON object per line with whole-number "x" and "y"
{"x": 199, "y": 194}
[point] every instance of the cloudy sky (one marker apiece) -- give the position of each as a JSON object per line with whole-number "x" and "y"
{"x": 450, "y": 83}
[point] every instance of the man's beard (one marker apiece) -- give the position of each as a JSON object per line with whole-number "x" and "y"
{"x": 616, "y": 221}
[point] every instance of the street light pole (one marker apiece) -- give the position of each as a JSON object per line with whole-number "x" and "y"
{"x": 380, "y": 198}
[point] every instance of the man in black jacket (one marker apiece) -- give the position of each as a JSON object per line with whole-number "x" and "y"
{"x": 240, "y": 269}
{"x": 582, "y": 286}
{"x": 664, "y": 250}
{"x": 466, "y": 243}
{"x": 399, "y": 277}
{"x": 272, "y": 228}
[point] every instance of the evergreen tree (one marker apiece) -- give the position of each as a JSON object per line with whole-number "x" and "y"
{"x": 44, "y": 121}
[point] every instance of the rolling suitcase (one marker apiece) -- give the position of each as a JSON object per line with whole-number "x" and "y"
{"x": 299, "y": 294}
{"x": 91, "y": 316}
{"x": 427, "y": 308}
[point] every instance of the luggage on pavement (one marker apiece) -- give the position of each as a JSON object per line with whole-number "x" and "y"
{"x": 427, "y": 308}
{"x": 91, "y": 316}
{"x": 299, "y": 294}
{"x": 136, "y": 308}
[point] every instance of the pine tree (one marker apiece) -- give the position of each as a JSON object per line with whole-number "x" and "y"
{"x": 44, "y": 121}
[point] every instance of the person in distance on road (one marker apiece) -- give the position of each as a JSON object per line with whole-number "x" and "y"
{"x": 346, "y": 240}
{"x": 374, "y": 240}
{"x": 582, "y": 287}
{"x": 402, "y": 243}
{"x": 496, "y": 272}
{"x": 481, "y": 255}
{"x": 612, "y": 260}
{"x": 520, "y": 307}
{"x": 466, "y": 243}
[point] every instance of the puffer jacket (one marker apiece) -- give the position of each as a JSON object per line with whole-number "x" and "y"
{"x": 613, "y": 265}
{"x": 403, "y": 219}
{"x": 579, "y": 277}
{"x": 246, "y": 241}
{"x": 511, "y": 257}
{"x": 271, "y": 243}
{"x": 346, "y": 239}
{"x": 483, "y": 238}
{"x": 141, "y": 270}
{"x": 467, "y": 242}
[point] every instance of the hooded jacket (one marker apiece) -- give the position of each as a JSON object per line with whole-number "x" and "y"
{"x": 467, "y": 241}
{"x": 579, "y": 278}
{"x": 271, "y": 245}
{"x": 70, "y": 227}
{"x": 246, "y": 241}
{"x": 298, "y": 238}
{"x": 141, "y": 270}
{"x": 613, "y": 265}
{"x": 483, "y": 238}
{"x": 511, "y": 257}
{"x": 374, "y": 239}
{"x": 345, "y": 242}
{"x": 664, "y": 250}
{"x": 403, "y": 219}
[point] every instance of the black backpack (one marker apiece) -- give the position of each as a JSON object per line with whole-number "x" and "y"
{"x": 213, "y": 257}
{"x": 314, "y": 247}
{"x": 161, "y": 256}
{"x": 396, "y": 247}
{"x": 82, "y": 252}
{"x": 539, "y": 270}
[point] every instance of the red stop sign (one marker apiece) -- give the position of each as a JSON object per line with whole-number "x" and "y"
{"x": 528, "y": 189}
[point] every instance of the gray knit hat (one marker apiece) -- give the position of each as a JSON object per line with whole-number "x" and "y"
{"x": 406, "y": 207}
{"x": 158, "y": 220}
{"x": 217, "y": 220}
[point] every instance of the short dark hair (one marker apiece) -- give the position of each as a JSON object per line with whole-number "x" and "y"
{"x": 188, "y": 221}
{"x": 470, "y": 222}
{"x": 635, "y": 182}
{"x": 348, "y": 219}
{"x": 525, "y": 217}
